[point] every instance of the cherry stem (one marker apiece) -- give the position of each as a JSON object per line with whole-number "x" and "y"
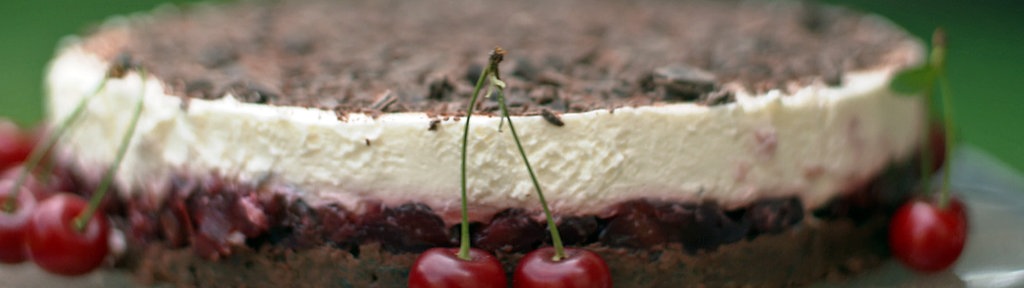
{"x": 82, "y": 219}
{"x": 556, "y": 239}
{"x": 491, "y": 73}
{"x": 38, "y": 153}
{"x": 926, "y": 150}
{"x": 947, "y": 103}
{"x": 464, "y": 234}
{"x": 938, "y": 61}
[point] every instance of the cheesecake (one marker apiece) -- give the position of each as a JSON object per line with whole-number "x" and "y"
{"x": 317, "y": 143}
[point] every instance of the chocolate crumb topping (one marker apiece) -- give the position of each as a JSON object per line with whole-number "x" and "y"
{"x": 566, "y": 56}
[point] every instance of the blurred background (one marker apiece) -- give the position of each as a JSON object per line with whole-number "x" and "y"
{"x": 986, "y": 56}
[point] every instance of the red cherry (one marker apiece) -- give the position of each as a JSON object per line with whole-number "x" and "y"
{"x": 14, "y": 224}
{"x": 56, "y": 246}
{"x": 15, "y": 145}
{"x": 927, "y": 238}
{"x": 441, "y": 267}
{"x": 580, "y": 268}
{"x": 937, "y": 140}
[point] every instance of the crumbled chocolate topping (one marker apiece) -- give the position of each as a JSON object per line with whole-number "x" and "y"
{"x": 566, "y": 56}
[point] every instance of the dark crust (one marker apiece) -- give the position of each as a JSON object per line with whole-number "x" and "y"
{"x": 830, "y": 251}
{"x": 565, "y": 56}
{"x": 234, "y": 235}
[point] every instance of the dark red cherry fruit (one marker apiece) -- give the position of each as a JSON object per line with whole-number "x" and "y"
{"x": 56, "y": 246}
{"x": 926, "y": 237}
{"x": 13, "y": 224}
{"x": 441, "y": 267}
{"x": 15, "y": 145}
{"x": 580, "y": 268}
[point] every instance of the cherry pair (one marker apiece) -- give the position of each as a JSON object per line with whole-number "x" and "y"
{"x": 554, "y": 266}
{"x": 62, "y": 233}
{"x": 44, "y": 230}
{"x": 441, "y": 267}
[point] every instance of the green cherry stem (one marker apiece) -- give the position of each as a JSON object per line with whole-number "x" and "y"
{"x": 82, "y": 219}
{"x": 39, "y": 152}
{"x": 556, "y": 239}
{"x": 947, "y": 117}
{"x": 464, "y": 232}
{"x": 926, "y": 148}
{"x": 938, "y": 62}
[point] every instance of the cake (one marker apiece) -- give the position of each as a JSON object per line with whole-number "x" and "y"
{"x": 316, "y": 143}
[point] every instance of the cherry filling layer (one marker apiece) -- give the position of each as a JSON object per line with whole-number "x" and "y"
{"x": 214, "y": 217}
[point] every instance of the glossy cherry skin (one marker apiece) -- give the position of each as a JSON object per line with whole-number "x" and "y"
{"x": 13, "y": 225}
{"x": 54, "y": 244}
{"x": 581, "y": 268}
{"x": 927, "y": 238}
{"x": 15, "y": 145}
{"x": 441, "y": 267}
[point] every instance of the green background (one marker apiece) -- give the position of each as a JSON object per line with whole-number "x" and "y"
{"x": 986, "y": 58}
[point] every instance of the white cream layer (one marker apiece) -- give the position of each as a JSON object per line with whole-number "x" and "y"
{"x": 812, "y": 144}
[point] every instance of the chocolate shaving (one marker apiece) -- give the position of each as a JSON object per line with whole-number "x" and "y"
{"x": 383, "y": 101}
{"x": 122, "y": 63}
{"x": 199, "y": 88}
{"x": 472, "y": 73}
{"x": 551, "y": 117}
{"x": 718, "y": 97}
{"x": 684, "y": 83}
{"x": 218, "y": 56}
{"x": 553, "y": 78}
{"x": 251, "y": 92}
{"x": 434, "y": 123}
{"x": 440, "y": 89}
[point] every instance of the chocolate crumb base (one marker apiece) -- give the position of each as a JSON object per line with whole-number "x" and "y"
{"x": 830, "y": 250}
{"x": 205, "y": 230}
{"x": 564, "y": 56}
